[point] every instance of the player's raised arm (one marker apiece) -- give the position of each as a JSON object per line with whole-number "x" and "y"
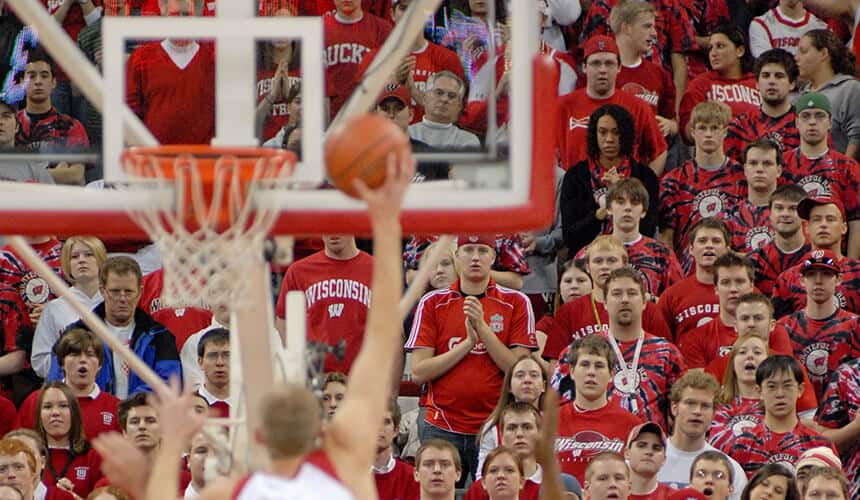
{"x": 370, "y": 379}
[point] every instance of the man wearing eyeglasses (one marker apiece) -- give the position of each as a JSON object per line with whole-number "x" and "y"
{"x": 213, "y": 356}
{"x": 712, "y": 475}
{"x": 443, "y": 102}
{"x": 120, "y": 280}
{"x": 693, "y": 399}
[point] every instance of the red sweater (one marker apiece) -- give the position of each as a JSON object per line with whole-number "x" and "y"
{"x": 98, "y": 412}
{"x": 397, "y": 483}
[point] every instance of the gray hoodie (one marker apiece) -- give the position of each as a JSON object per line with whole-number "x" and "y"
{"x": 843, "y": 92}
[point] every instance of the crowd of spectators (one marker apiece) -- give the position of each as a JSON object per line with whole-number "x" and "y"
{"x": 694, "y": 302}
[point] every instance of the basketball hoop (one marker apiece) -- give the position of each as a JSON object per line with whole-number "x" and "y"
{"x": 209, "y": 231}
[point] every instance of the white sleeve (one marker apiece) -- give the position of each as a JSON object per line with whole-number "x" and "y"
{"x": 740, "y": 481}
{"x": 192, "y": 375}
{"x": 489, "y": 442}
{"x": 759, "y": 38}
{"x": 564, "y": 12}
{"x": 46, "y": 335}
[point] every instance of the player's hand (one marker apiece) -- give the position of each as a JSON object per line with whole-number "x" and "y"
{"x": 176, "y": 416}
{"x": 125, "y": 466}
{"x": 545, "y": 446}
{"x": 386, "y": 200}
{"x": 36, "y": 313}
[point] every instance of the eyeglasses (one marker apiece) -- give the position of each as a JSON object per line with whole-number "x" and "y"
{"x": 215, "y": 356}
{"x": 718, "y": 475}
{"x": 117, "y": 294}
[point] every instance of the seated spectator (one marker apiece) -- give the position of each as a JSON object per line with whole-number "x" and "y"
{"x": 17, "y": 171}
{"x": 771, "y": 481}
{"x": 694, "y": 397}
{"x": 80, "y": 354}
{"x": 582, "y": 201}
{"x": 706, "y": 186}
{"x": 44, "y": 129}
{"x": 591, "y": 424}
{"x": 780, "y": 437}
{"x": 200, "y": 451}
{"x": 21, "y": 459}
{"x": 646, "y": 454}
{"x": 32, "y": 440}
{"x": 192, "y": 374}
{"x": 789, "y": 245}
{"x": 443, "y": 102}
{"x": 826, "y": 64}
{"x": 825, "y": 482}
{"x": 394, "y": 478}
{"x": 818, "y": 169}
{"x": 776, "y": 76}
{"x": 82, "y": 257}
{"x": 140, "y": 425}
{"x": 814, "y": 458}
{"x": 213, "y": 357}
{"x": 781, "y": 27}
{"x": 749, "y": 220}
{"x": 712, "y": 474}
{"x": 607, "y": 476}
{"x": 575, "y": 282}
{"x": 525, "y": 383}
{"x": 729, "y": 80}
{"x": 503, "y": 477}
{"x": 72, "y": 465}
{"x": 836, "y": 418}
{"x": 333, "y": 392}
{"x": 437, "y": 469}
{"x": 149, "y": 340}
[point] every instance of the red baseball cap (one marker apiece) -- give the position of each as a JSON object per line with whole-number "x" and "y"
{"x": 477, "y": 239}
{"x": 821, "y": 259}
{"x": 395, "y": 91}
{"x": 646, "y": 427}
{"x": 688, "y": 494}
{"x": 599, "y": 43}
{"x": 807, "y": 204}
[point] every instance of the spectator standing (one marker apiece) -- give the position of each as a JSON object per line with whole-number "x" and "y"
{"x": 771, "y": 481}
{"x": 19, "y": 457}
{"x": 781, "y": 27}
{"x": 712, "y": 472}
{"x": 443, "y": 102}
{"x": 749, "y": 220}
{"x": 437, "y": 469}
{"x": 394, "y": 478}
{"x": 646, "y": 454}
{"x": 607, "y": 476}
{"x": 213, "y": 357}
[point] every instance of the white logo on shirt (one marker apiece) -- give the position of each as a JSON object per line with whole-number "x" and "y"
{"x": 335, "y": 310}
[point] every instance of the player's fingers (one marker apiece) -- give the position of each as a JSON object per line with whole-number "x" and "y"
{"x": 361, "y": 188}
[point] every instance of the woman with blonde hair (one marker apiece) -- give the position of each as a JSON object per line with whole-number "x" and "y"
{"x": 82, "y": 257}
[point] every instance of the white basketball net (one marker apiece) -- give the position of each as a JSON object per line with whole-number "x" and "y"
{"x": 207, "y": 265}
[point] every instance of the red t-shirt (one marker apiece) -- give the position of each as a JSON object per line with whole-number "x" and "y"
{"x": 750, "y": 226}
{"x": 731, "y": 420}
{"x": 657, "y": 264}
{"x": 661, "y": 493}
{"x": 398, "y": 483}
{"x": 748, "y": 127}
{"x": 651, "y": 83}
{"x": 576, "y": 108}
{"x": 832, "y": 173}
{"x": 789, "y": 295}
{"x": 583, "y": 434}
{"x": 530, "y": 491}
{"x": 337, "y": 297}
{"x": 181, "y": 321}
{"x": 770, "y": 262}
{"x": 280, "y": 115}
{"x": 82, "y": 470}
{"x": 702, "y": 347}
{"x": 759, "y": 446}
{"x": 99, "y": 412}
{"x": 8, "y": 416}
{"x": 688, "y": 304}
{"x": 839, "y": 407}
{"x": 346, "y": 44}
{"x": 381, "y": 8}
{"x": 741, "y": 95}
{"x": 177, "y": 105}
{"x": 440, "y": 325}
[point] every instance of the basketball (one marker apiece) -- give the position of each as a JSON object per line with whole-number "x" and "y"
{"x": 359, "y": 148}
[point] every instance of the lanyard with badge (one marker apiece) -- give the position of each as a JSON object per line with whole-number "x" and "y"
{"x": 628, "y": 375}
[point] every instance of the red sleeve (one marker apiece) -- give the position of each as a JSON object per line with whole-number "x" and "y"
{"x": 692, "y": 96}
{"x": 692, "y": 348}
{"x": 667, "y": 100}
{"x": 808, "y": 400}
{"x": 424, "y": 330}
{"x": 8, "y": 416}
{"x": 674, "y": 273}
{"x": 133, "y": 84}
{"x": 559, "y": 337}
{"x": 717, "y": 368}
{"x": 522, "y": 324}
{"x": 77, "y": 137}
{"x": 665, "y": 309}
{"x": 649, "y": 137}
{"x": 779, "y": 341}
{"x": 288, "y": 285}
{"x": 476, "y": 492}
{"x": 654, "y": 322}
{"x": 27, "y": 412}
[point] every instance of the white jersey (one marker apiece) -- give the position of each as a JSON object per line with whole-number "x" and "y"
{"x": 312, "y": 482}
{"x": 773, "y": 30}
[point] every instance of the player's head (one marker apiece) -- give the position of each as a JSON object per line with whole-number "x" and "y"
{"x": 200, "y": 449}
{"x": 475, "y": 255}
{"x": 627, "y": 203}
{"x": 502, "y": 474}
{"x": 711, "y": 470}
{"x": 60, "y": 416}
{"x": 8, "y": 124}
{"x": 443, "y": 99}
{"x": 827, "y": 222}
{"x": 727, "y": 51}
{"x": 779, "y": 379}
{"x": 291, "y": 422}
{"x": 395, "y": 103}
{"x": 139, "y": 422}
{"x": 108, "y": 493}
{"x": 783, "y": 209}
{"x": 333, "y": 393}
{"x": 733, "y": 276}
{"x": 80, "y": 355}
{"x": 709, "y": 239}
{"x": 120, "y": 280}
{"x": 39, "y": 77}
{"x": 826, "y": 482}
{"x": 390, "y": 426}
{"x": 592, "y": 364}
{"x": 709, "y": 123}
{"x": 762, "y": 165}
{"x": 693, "y": 400}
{"x": 437, "y": 468}
{"x": 754, "y": 314}
{"x": 604, "y": 255}
{"x": 602, "y": 65}
{"x": 520, "y": 426}
{"x": 814, "y": 118}
{"x": 820, "y": 50}
{"x": 624, "y": 297}
{"x": 634, "y": 23}
{"x": 18, "y": 466}
{"x": 776, "y": 74}
{"x": 771, "y": 481}
{"x": 213, "y": 356}
{"x": 819, "y": 275}
{"x": 10, "y": 491}
{"x": 607, "y": 476}
{"x": 82, "y": 257}
{"x": 610, "y": 133}
{"x": 747, "y": 353}
{"x": 574, "y": 281}
{"x": 646, "y": 449}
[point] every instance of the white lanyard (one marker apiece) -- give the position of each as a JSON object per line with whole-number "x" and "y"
{"x": 630, "y": 374}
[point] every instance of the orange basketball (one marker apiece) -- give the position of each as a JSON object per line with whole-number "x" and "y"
{"x": 358, "y": 149}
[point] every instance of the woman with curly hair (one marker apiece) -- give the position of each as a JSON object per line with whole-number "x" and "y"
{"x": 610, "y": 142}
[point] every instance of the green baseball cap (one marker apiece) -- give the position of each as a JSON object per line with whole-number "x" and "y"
{"x": 812, "y": 100}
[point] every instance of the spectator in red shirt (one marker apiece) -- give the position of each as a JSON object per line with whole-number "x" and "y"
{"x": 749, "y": 220}
{"x": 437, "y": 469}
{"x": 213, "y": 356}
{"x": 837, "y": 419}
{"x": 503, "y": 477}
{"x": 394, "y": 478}
{"x": 646, "y": 454}
{"x": 18, "y": 463}
{"x": 72, "y": 464}
{"x": 607, "y": 476}
{"x": 32, "y": 440}
{"x": 472, "y": 329}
